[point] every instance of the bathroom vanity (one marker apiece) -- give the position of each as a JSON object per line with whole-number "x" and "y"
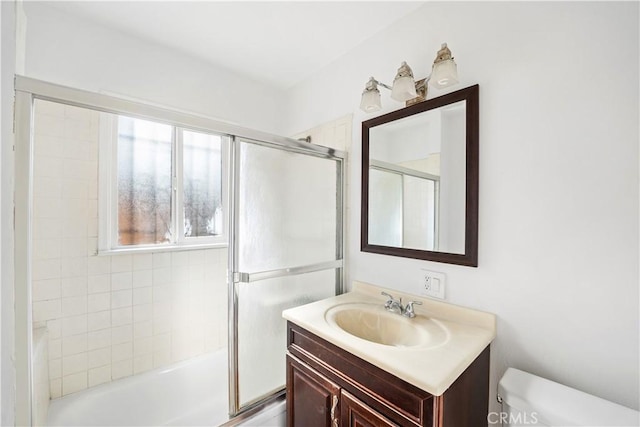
{"x": 352, "y": 363}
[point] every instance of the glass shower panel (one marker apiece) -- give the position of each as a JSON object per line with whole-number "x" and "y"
{"x": 287, "y": 252}
{"x": 287, "y": 209}
{"x": 262, "y": 340}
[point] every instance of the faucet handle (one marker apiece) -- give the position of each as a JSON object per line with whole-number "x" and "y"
{"x": 391, "y": 300}
{"x": 387, "y": 295}
{"x": 408, "y": 311}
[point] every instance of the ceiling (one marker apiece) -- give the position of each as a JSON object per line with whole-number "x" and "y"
{"x": 278, "y": 43}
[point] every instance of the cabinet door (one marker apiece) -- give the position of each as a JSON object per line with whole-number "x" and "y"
{"x": 312, "y": 400}
{"x": 356, "y": 414}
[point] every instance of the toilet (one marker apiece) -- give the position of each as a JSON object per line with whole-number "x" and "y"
{"x": 529, "y": 400}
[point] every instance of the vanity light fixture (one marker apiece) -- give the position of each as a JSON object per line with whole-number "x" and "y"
{"x": 444, "y": 73}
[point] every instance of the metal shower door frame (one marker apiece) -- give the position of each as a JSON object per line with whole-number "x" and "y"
{"x": 27, "y": 90}
{"x": 235, "y": 276}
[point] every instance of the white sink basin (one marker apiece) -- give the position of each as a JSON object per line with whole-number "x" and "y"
{"x": 372, "y": 322}
{"x": 429, "y": 351}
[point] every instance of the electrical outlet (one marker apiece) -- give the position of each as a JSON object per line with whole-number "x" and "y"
{"x": 432, "y": 284}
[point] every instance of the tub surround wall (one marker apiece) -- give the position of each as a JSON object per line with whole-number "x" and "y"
{"x": 108, "y": 316}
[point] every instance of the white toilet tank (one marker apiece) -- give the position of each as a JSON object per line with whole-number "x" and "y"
{"x": 529, "y": 400}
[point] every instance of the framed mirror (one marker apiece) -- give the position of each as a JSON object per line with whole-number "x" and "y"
{"x": 420, "y": 180}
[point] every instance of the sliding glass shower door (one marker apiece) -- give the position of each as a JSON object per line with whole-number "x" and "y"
{"x": 287, "y": 251}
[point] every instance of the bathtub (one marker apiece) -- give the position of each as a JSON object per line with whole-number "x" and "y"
{"x": 189, "y": 393}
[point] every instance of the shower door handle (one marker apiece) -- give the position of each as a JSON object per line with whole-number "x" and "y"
{"x": 241, "y": 277}
{"x": 291, "y": 271}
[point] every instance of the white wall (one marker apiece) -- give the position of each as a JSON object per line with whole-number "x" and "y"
{"x": 65, "y": 49}
{"x": 7, "y": 60}
{"x": 558, "y": 251}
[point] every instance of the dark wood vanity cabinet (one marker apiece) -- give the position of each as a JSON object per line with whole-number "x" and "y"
{"x": 328, "y": 386}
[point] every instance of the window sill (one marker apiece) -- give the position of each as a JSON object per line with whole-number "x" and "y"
{"x": 156, "y": 249}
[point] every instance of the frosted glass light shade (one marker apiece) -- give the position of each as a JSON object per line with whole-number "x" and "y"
{"x": 445, "y": 73}
{"x": 370, "y": 101}
{"x": 404, "y": 88}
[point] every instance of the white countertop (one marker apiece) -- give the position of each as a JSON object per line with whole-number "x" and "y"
{"x": 432, "y": 369}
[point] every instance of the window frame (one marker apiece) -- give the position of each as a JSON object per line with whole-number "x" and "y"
{"x": 108, "y": 192}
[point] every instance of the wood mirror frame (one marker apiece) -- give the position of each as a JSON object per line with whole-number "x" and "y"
{"x": 470, "y": 255}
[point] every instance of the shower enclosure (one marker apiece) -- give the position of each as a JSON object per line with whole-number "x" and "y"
{"x": 116, "y": 328}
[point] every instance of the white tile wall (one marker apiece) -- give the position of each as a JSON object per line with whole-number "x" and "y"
{"x": 108, "y": 316}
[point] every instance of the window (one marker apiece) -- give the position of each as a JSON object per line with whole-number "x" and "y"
{"x": 160, "y": 185}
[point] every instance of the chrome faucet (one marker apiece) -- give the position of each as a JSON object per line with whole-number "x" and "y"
{"x": 395, "y": 306}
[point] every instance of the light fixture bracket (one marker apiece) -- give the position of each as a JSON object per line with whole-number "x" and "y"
{"x": 421, "y": 90}
{"x": 373, "y": 84}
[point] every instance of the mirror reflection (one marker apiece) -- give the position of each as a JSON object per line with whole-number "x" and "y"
{"x": 416, "y": 181}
